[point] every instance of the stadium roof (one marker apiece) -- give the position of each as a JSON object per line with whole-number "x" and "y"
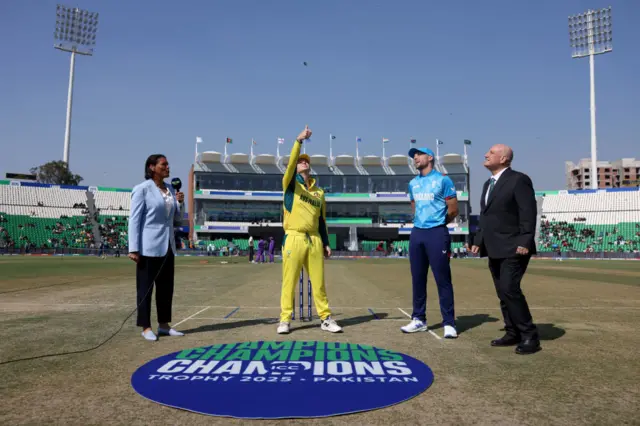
{"x": 347, "y": 164}
{"x": 265, "y": 159}
{"x": 452, "y": 164}
{"x": 239, "y": 158}
{"x": 210, "y": 156}
{"x": 371, "y": 160}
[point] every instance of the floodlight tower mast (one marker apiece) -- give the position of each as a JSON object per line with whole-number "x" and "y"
{"x": 590, "y": 34}
{"x": 76, "y": 33}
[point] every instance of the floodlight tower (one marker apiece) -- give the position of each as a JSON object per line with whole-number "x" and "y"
{"x": 590, "y": 34}
{"x": 76, "y": 33}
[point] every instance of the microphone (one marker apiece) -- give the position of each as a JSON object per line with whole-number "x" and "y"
{"x": 176, "y": 183}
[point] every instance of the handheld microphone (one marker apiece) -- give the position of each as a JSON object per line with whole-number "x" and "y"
{"x": 176, "y": 183}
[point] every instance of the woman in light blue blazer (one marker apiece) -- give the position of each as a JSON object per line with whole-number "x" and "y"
{"x": 155, "y": 209}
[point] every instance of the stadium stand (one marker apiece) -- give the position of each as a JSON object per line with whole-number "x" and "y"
{"x": 211, "y": 162}
{"x": 399, "y": 165}
{"x": 320, "y": 165}
{"x": 345, "y": 164}
{"x": 588, "y": 221}
{"x": 240, "y": 162}
{"x": 266, "y": 163}
{"x": 41, "y": 196}
{"x": 372, "y": 164}
{"x": 42, "y": 216}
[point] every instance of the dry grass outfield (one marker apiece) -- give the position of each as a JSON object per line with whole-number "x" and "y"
{"x": 587, "y": 372}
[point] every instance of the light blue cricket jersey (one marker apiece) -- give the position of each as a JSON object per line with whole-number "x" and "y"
{"x": 430, "y": 194}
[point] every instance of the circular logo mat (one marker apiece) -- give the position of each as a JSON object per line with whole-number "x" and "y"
{"x": 275, "y": 380}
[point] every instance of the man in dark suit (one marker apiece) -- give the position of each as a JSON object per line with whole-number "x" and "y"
{"x": 507, "y": 230}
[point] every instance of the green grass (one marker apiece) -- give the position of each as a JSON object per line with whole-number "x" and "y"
{"x": 587, "y": 313}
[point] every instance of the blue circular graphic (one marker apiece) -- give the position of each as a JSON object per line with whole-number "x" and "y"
{"x": 276, "y": 380}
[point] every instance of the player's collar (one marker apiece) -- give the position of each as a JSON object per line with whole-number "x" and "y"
{"x": 312, "y": 181}
{"x": 420, "y": 175}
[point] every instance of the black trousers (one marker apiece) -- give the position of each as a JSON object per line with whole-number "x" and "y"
{"x": 251, "y": 254}
{"x": 507, "y": 275}
{"x": 147, "y": 269}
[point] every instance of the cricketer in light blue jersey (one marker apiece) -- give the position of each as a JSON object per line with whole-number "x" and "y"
{"x": 429, "y": 194}
{"x": 433, "y": 197}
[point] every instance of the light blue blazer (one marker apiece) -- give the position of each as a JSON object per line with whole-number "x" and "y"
{"x": 151, "y": 231}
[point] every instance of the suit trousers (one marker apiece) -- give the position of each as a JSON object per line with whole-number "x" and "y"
{"x": 507, "y": 274}
{"x": 161, "y": 271}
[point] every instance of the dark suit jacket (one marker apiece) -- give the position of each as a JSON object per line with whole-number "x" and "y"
{"x": 508, "y": 219}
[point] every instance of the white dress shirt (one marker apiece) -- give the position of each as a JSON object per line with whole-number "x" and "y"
{"x": 495, "y": 178}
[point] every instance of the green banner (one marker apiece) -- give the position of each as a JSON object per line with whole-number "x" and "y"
{"x": 349, "y": 221}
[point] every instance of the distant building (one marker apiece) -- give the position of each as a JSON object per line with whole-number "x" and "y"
{"x": 611, "y": 174}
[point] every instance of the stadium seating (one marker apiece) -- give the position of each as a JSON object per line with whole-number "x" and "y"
{"x": 113, "y": 203}
{"x": 48, "y": 215}
{"x": 591, "y": 222}
{"x": 43, "y": 196}
{"x": 72, "y": 231}
{"x": 404, "y": 244}
{"x": 113, "y": 229}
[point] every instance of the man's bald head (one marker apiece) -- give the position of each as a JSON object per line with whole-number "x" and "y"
{"x": 498, "y": 157}
{"x": 505, "y": 151}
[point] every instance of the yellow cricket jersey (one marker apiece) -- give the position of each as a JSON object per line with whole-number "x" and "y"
{"x": 305, "y": 209}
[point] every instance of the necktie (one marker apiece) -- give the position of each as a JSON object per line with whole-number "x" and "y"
{"x": 492, "y": 183}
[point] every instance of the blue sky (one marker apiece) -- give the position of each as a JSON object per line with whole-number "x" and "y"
{"x": 166, "y": 72}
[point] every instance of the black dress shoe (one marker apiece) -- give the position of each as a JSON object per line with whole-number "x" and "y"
{"x": 528, "y": 347}
{"x": 506, "y": 340}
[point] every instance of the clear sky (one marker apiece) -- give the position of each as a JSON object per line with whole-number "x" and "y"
{"x": 165, "y": 72}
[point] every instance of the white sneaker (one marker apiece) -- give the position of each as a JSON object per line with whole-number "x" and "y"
{"x": 330, "y": 325}
{"x": 450, "y": 332}
{"x": 170, "y": 332}
{"x": 414, "y": 326}
{"x": 283, "y": 328}
{"x": 149, "y": 335}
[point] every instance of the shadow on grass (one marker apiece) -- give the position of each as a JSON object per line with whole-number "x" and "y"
{"x": 229, "y": 325}
{"x": 295, "y": 324}
{"x": 548, "y": 331}
{"x": 467, "y": 322}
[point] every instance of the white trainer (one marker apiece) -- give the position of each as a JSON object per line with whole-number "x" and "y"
{"x": 283, "y": 328}
{"x": 149, "y": 335}
{"x": 170, "y": 332}
{"x": 450, "y": 332}
{"x": 414, "y": 326}
{"x": 330, "y": 325}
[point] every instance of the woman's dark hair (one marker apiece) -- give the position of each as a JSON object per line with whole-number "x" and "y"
{"x": 151, "y": 161}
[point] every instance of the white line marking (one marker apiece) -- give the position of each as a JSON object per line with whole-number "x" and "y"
{"x": 434, "y": 334}
{"x": 404, "y": 312}
{"x": 188, "y": 318}
{"x": 430, "y": 331}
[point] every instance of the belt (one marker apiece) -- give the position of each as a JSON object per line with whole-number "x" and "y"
{"x": 308, "y": 235}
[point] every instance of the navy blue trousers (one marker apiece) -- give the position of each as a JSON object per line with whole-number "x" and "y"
{"x": 431, "y": 247}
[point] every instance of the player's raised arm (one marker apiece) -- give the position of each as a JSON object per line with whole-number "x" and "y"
{"x": 290, "y": 173}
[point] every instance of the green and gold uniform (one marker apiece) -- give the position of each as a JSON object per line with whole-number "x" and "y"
{"x": 305, "y": 237}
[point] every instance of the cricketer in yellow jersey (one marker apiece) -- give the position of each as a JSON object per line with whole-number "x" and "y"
{"x": 306, "y": 240}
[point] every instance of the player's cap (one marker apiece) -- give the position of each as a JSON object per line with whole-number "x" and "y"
{"x": 304, "y": 157}
{"x": 427, "y": 151}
